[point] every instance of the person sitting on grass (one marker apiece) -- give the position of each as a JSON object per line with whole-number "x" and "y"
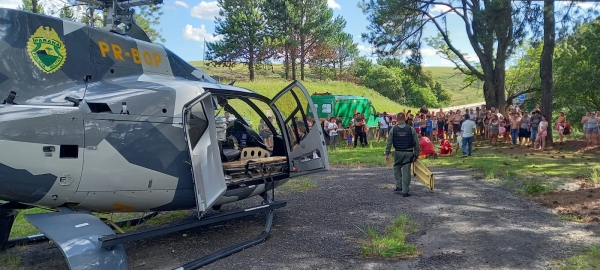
{"x": 427, "y": 148}
{"x": 542, "y": 133}
{"x": 446, "y": 149}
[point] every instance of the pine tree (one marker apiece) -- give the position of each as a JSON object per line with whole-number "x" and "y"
{"x": 243, "y": 26}
{"x": 32, "y": 6}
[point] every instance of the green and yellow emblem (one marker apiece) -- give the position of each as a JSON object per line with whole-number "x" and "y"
{"x": 46, "y": 50}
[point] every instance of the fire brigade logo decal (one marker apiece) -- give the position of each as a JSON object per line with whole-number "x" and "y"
{"x": 46, "y": 50}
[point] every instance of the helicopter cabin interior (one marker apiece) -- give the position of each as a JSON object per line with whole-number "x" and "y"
{"x": 251, "y": 145}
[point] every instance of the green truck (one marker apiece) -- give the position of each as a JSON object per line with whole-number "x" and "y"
{"x": 328, "y": 104}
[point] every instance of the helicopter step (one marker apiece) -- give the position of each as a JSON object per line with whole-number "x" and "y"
{"x": 76, "y": 234}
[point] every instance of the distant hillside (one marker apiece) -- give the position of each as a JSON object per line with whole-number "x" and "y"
{"x": 453, "y": 81}
{"x": 271, "y": 76}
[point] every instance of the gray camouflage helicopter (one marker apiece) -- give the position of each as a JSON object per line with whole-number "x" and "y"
{"x": 103, "y": 120}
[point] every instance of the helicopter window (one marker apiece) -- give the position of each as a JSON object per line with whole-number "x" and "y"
{"x": 326, "y": 108}
{"x": 196, "y": 123}
{"x": 69, "y": 151}
{"x": 291, "y": 105}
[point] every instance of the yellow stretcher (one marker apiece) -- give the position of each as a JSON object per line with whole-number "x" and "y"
{"x": 423, "y": 174}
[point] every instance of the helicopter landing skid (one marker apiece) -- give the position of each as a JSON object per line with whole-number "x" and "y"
{"x": 88, "y": 243}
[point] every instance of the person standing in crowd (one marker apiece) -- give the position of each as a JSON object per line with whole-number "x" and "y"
{"x": 440, "y": 127}
{"x": 428, "y": 126}
{"x": 479, "y": 122}
{"x": 357, "y": 129}
{"x": 524, "y": 133}
{"x": 561, "y": 123}
{"x": 542, "y": 133}
{"x": 592, "y": 131}
{"x": 456, "y": 119}
{"x": 406, "y": 144}
{"x": 349, "y": 138}
{"x": 341, "y": 132}
{"x": 423, "y": 125}
{"x": 332, "y": 127}
{"x": 434, "y": 127}
{"x": 494, "y": 129}
{"x": 384, "y": 123}
{"x": 364, "y": 133}
{"x": 424, "y": 109}
{"x": 514, "y": 127}
{"x": 409, "y": 118}
{"x": 417, "y": 124}
{"x": 487, "y": 121}
{"x": 535, "y": 123}
{"x": 448, "y": 125}
{"x": 468, "y": 130}
{"x": 506, "y": 124}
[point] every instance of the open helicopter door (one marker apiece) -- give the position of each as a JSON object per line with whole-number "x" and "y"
{"x": 307, "y": 151}
{"x": 200, "y": 133}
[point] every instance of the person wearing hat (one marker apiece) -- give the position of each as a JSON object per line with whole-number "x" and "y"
{"x": 406, "y": 144}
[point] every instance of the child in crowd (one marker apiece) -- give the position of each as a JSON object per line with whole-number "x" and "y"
{"x": 417, "y": 125}
{"x": 524, "y": 133}
{"x": 349, "y": 137}
{"x": 429, "y": 126}
{"x": 542, "y": 133}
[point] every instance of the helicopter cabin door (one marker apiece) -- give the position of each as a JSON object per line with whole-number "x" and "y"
{"x": 306, "y": 147}
{"x": 200, "y": 133}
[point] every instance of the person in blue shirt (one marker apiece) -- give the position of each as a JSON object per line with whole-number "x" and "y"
{"x": 429, "y": 125}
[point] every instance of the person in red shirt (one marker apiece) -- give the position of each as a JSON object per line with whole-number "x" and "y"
{"x": 446, "y": 149}
{"x": 427, "y": 149}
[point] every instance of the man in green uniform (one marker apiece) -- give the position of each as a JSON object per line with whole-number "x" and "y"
{"x": 406, "y": 142}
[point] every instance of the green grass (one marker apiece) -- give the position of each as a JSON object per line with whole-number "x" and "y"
{"x": 529, "y": 174}
{"x": 453, "y": 81}
{"x": 302, "y": 184}
{"x": 390, "y": 243}
{"x": 594, "y": 175}
{"x": 570, "y": 218}
{"x": 10, "y": 262}
{"x": 590, "y": 259}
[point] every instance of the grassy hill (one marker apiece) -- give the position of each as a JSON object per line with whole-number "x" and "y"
{"x": 270, "y": 77}
{"x": 453, "y": 81}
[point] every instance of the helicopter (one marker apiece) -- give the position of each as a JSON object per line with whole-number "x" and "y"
{"x": 101, "y": 120}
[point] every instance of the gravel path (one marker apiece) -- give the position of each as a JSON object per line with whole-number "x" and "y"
{"x": 463, "y": 224}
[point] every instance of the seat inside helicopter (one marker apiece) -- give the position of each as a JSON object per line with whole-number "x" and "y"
{"x": 249, "y": 149}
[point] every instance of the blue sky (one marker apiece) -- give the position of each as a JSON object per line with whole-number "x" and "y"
{"x": 186, "y": 23}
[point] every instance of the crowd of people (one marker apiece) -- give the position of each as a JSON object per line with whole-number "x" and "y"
{"x": 513, "y": 126}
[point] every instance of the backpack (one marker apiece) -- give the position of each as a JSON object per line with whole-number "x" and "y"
{"x": 567, "y": 130}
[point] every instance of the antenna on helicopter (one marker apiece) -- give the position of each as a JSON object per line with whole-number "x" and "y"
{"x": 121, "y": 12}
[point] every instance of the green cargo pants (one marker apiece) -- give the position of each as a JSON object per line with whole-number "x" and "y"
{"x": 402, "y": 173}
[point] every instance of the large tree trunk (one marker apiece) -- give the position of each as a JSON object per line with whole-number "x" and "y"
{"x": 287, "y": 62}
{"x": 251, "y": 63}
{"x": 546, "y": 64}
{"x": 293, "y": 57}
{"x": 302, "y": 57}
{"x": 34, "y": 6}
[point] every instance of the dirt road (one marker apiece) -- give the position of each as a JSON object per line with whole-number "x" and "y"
{"x": 464, "y": 224}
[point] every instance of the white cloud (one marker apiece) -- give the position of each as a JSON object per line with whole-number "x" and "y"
{"x": 10, "y": 3}
{"x": 198, "y": 34}
{"x": 364, "y": 48}
{"x": 205, "y": 10}
{"x": 585, "y": 4}
{"x": 181, "y": 3}
{"x": 471, "y": 58}
{"x": 428, "y": 52}
{"x": 333, "y": 5}
{"x": 440, "y": 8}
